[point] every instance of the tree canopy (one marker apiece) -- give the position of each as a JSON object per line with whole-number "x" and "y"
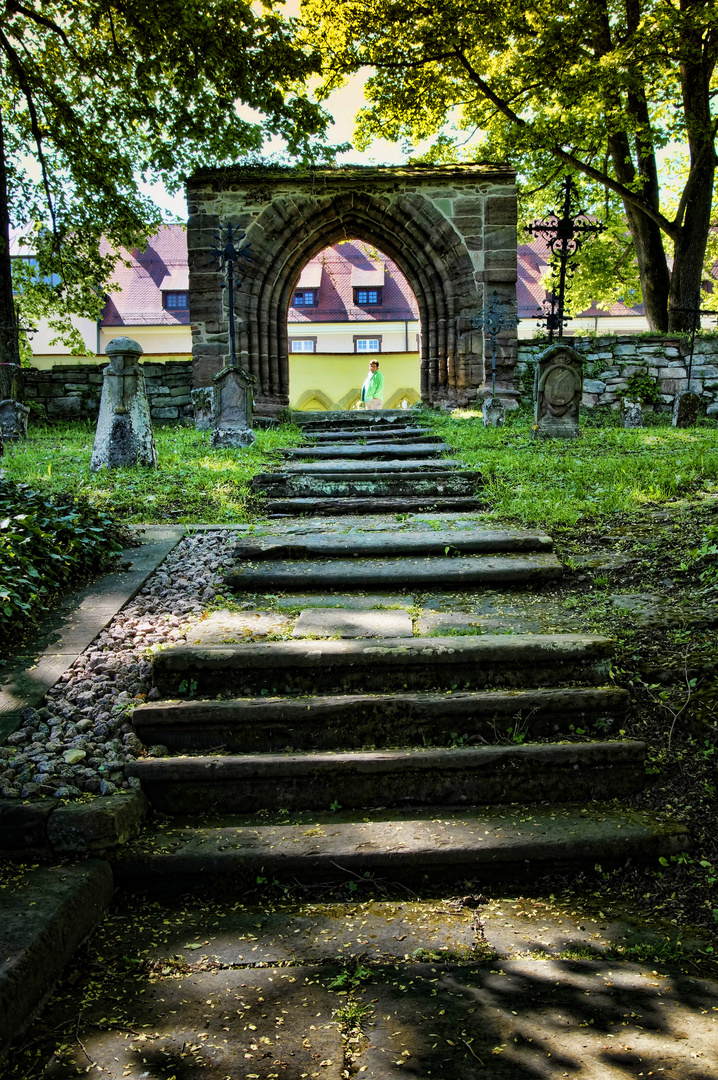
{"x": 96, "y": 94}
{"x": 604, "y": 89}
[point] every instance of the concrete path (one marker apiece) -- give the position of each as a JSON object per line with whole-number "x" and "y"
{"x": 208, "y": 986}
{"x": 77, "y": 621}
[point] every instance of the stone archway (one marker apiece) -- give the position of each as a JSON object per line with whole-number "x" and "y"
{"x": 450, "y": 229}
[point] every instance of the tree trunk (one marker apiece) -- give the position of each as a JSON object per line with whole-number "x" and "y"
{"x": 9, "y": 349}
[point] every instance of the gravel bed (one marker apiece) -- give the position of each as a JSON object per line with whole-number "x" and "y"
{"x": 80, "y": 740}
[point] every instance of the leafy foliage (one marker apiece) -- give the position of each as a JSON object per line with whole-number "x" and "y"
{"x": 598, "y": 88}
{"x": 96, "y": 95}
{"x": 45, "y": 544}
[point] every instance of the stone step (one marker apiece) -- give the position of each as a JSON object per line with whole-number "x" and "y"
{"x": 481, "y": 845}
{"x": 397, "y": 504}
{"x": 369, "y": 484}
{"x": 368, "y": 666}
{"x": 368, "y": 453}
{"x": 379, "y": 543}
{"x": 551, "y": 772}
{"x": 404, "y": 465}
{"x": 355, "y": 417}
{"x": 353, "y": 721}
{"x": 392, "y": 431}
{"x": 459, "y": 572}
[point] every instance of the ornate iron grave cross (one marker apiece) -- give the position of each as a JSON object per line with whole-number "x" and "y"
{"x": 497, "y": 316}
{"x": 225, "y": 256}
{"x": 565, "y": 236}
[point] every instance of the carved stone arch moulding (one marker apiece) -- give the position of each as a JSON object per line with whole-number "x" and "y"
{"x": 451, "y": 230}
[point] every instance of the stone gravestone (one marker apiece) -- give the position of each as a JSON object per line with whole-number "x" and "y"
{"x": 202, "y": 405}
{"x": 494, "y": 412}
{"x": 632, "y": 414}
{"x": 232, "y": 401}
{"x": 687, "y": 408}
{"x": 124, "y": 429}
{"x": 559, "y": 388}
{"x": 13, "y": 419}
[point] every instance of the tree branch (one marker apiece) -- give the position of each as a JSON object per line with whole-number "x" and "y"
{"x": 14, "y": 8}
{"x": 570, "y": 159}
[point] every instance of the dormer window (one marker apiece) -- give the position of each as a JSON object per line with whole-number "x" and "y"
{"x": 175, "y": 301}
{"x": 305, "y": 298}
{"x": 367, "y": 297}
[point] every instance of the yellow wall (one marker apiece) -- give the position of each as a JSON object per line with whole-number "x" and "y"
{"x": 333, "y": 381}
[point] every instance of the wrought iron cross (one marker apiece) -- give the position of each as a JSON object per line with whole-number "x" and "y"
{"x": 565, "y": 235}
{"x": 495, "y": 317}
{"x": 225, "y": 256}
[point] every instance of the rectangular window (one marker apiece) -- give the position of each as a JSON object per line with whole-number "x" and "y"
{"x": 302, "y": 344}
{"x": 305, "y": 298}
{"x": 367, "y": 297}
{"x": 176, "y": 301}
{"x": 366, "y": 344}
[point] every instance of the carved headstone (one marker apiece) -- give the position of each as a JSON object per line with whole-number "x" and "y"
{"x": 13, "y": 419}
{"x": 124, "y": 429}
{"x": 632, "y": 414}
{"x": 559, "y": 389}
{"x": 494, "y": 412}
{"x": 687, "y": 407}
{"x": 232, "y": 394}
{"x": 203, "y": 411}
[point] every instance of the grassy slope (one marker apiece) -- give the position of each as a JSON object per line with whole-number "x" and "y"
{"x": 192, "y": 483}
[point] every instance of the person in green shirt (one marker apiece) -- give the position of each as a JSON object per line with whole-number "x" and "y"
{"x": 372, "y": 392}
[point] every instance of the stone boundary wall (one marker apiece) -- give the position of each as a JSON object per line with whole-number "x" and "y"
{"x": 67, "y": 392}
{"x": 610, "y": 362}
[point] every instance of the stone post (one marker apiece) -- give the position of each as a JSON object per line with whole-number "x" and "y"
{"x": 124, "y": 429}
{"x": 687, "y": 407}
{"x": 559, "y": 389}
{"x": 232, "y": 400}
{"x": 202, "y": 405}
{"x": 632, "y": 414}
{"x": 494, "y": 412}
{"x": 13, "y": 419}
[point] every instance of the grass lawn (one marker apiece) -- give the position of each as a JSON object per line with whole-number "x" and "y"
{"x": 563, "y": 484}
{"x": 192, "y": 483}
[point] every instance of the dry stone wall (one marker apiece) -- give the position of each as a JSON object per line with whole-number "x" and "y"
{"x": 72, "y": 392}
{"x": 451, "y": 230}
{"x": 611, "y": 361}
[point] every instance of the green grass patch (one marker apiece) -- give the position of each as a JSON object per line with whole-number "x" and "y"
{"x": 561, "y": 483}
{"x": 192, "y": 484}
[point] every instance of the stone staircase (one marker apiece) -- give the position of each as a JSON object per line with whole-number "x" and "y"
{"x": 367, "y": 463}
{"x": 358, "y": 746}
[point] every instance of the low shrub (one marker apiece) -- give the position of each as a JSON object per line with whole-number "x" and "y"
{"x": 46, "y": 543}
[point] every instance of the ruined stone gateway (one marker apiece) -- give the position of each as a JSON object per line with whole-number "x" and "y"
{"x": 450, "y": 229}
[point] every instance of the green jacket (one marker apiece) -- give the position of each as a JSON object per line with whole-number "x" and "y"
{"x": 373, "y": 387}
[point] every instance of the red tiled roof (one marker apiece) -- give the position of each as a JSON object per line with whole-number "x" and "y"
{"x": 533, "y": 266}
{"x": 342, "y": 266}
{"x": 162, "y": 265}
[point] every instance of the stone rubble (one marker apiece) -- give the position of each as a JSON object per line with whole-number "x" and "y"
{"x": 80, "y": 740}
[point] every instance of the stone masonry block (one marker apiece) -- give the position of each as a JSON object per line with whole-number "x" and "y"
{"x": 500, "y": 237}
{"x": 501, "y": 210}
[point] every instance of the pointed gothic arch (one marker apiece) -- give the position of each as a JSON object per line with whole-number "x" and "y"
{"x": 450, "y": 230}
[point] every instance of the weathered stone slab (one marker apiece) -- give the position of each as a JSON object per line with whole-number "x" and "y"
{"x": 559, "y": 388}
{"x": 43, "y": 918}
{"x": 308, "y": 933}
{"x": 553, "y": 773}
{"x": 237, "y": 1024}
{"x": 374, "y": 602}
{"x": 231, "y": 626}
{"x": 390, "y": 542}
{"x": 429, "y": 465}
{"x": 528, "y": 1018}
{"x": 124, "y": 429}
{"x": 397, "y": 572}
{"x": 333, "y": 622}
{"x": 354, "y": 721}
{"x": 376, "y": 504}
{"x": 94, "y": 826}
{"x": 481, "y": 843}
{"x": 376, "y": 450}
{"x": 650, "y": 609}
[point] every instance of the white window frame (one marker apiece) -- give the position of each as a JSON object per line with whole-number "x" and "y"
{"x": 367, "y": 344}
{"x": 302, "y": 344}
